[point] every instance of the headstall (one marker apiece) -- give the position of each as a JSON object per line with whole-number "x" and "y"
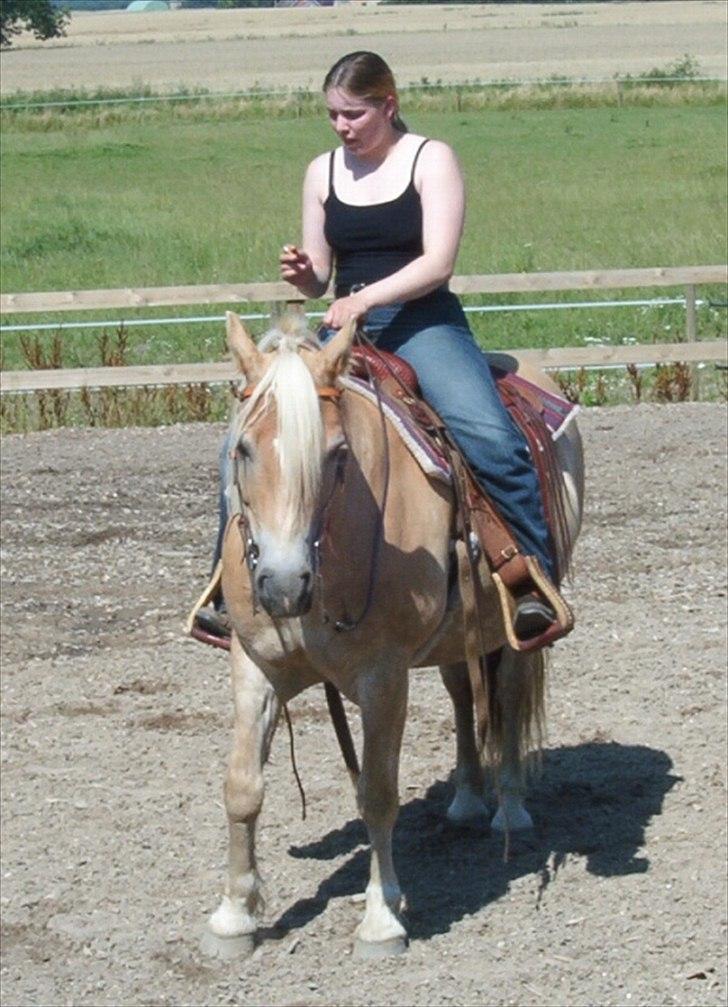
{"x": 251, "y": 550}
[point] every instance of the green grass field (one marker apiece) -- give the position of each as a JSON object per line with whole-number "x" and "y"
{"x": 169, "y": 201}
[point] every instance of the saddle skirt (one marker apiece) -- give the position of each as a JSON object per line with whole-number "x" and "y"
{"x": 541, "y": 415}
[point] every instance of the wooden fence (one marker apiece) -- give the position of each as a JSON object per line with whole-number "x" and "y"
{"x": 688, "y": 277}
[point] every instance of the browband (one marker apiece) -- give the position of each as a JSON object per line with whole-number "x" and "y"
{"x": 325, "y": 392}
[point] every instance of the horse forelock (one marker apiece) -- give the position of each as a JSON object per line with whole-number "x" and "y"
{"x": 289, "y": 386}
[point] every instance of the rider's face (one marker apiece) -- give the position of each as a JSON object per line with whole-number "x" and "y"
{"x": 361, "y": 125}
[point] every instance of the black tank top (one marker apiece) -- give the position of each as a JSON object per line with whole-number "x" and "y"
{"x": 371, "y": 242}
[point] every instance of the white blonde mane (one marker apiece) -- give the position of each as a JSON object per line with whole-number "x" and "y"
{"x": 300, "y": 440}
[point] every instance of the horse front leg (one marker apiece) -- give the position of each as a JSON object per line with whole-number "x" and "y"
{"x": 383, "y": 701}
{"x": 232, "y": 926}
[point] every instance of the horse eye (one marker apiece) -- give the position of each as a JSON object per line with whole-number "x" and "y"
{"x": 243, "y": 450}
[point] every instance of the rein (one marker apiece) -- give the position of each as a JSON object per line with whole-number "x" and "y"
{"x": 348, "y": 625}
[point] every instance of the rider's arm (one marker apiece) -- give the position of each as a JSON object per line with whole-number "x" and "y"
{"x": 309, "y": 268}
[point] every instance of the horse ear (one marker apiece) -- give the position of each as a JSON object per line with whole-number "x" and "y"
{"x": 336, "y": 352}
{"x": 246, "y": 354}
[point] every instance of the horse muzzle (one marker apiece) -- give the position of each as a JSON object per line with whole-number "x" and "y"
{"x": 284, "y": 596}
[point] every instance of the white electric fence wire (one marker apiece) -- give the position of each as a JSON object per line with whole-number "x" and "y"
{"x": 471, "y": 309}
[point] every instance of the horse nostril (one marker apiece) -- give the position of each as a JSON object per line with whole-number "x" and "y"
{"x": 306, "y": 578}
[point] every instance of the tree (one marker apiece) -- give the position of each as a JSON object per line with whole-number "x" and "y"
{"x": 39, "y": 16}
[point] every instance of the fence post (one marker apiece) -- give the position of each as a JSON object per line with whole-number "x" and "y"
{"x": 691, "y": 334}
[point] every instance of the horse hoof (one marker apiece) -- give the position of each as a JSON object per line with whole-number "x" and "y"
{"x": 468, "y": 811}
{"x": 369, "y": 950}
{"x": 472, "y": 823}
{"x": 227, "y": 948}
{"x": 517, "y": 820}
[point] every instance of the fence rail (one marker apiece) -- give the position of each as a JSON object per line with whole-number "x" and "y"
{"x": 691, "y": 351}
{"x": 252, "y": 293}
{"x": 553, "y": 358}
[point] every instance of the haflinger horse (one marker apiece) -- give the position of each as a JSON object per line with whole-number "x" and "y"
{"x": 338, "y": 568}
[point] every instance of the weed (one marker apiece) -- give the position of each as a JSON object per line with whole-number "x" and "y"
{"x": 722, "y": 372}
{"x": 673, "y": 382}
{"x": 113, "y": 350}
{"x": 600, "y": 390}
{"x": 52, "y": 404}
{"x": 636, "y": 381}
{"x": 572, "y": 385}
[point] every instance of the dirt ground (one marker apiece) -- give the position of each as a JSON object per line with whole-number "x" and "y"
{"x": 115, "y": 732}
{"x": 236, "y": 49}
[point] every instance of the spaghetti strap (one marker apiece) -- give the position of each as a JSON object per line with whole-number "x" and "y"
{"x": 414, "y": 163}
{"x": 331, "y": 173}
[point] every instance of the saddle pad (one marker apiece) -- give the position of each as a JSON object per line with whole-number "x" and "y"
{"x": 420, "y": 447}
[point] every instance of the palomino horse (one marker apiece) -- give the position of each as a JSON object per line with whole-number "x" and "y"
{"x": 338, "y": 569}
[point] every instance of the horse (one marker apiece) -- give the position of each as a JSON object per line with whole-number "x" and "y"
{"x": 337, "y": 568}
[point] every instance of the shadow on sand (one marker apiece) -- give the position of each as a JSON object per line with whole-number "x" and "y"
{"x": 592, "y": 800}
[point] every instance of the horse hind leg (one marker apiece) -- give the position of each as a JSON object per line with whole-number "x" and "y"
{"x": 517, "y": 696}
{"x": 231, "y": 928}
{"x": 468, "y": 807}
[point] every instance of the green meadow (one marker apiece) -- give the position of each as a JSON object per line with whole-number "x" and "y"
{"x": 166, "y": 200}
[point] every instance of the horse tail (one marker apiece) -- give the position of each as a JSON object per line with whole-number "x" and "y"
{"x": 516, "y": 686}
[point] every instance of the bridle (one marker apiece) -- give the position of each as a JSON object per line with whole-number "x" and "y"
{"x": 251, "y": 550}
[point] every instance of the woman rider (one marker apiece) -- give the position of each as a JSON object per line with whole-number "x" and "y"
{"x": 386, "y": 209}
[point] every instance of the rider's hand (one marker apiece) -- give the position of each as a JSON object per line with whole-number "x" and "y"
{"x": 345, "y": 308}
{"x": 296, "y": 267}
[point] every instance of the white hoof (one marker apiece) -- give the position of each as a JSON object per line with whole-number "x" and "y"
{"x": 511, "y": 816}
{"x": 468, "y": 810}
{"x": 227, "y": 948}
{"x": 379, "y": 949}
{"x": 232, "y": 919}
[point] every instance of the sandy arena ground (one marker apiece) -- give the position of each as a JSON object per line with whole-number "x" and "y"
{"x": 236, "y": 49}
{"x": 115, "y": 732}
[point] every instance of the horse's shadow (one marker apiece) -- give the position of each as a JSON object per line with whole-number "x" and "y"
{"x": 593, "y": 800}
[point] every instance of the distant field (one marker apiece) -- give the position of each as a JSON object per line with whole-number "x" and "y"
{"x": 233, "y": 49}
{"x": 205, "y": 202}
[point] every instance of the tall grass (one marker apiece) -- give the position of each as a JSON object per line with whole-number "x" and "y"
{"x": 675, "y": 85}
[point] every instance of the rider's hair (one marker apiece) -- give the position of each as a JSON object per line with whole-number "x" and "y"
{"x": 366, "y": 76}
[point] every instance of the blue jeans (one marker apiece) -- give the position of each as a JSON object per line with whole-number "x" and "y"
{"x": 432, "y": 334}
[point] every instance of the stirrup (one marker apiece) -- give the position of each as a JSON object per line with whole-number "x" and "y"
{"x": 533, "y": 616}
{"x": 192, "y": 628}
{"x": 562, "y": 623}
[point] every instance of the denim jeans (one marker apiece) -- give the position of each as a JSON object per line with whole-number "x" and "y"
{"x": 432, "y": 334}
